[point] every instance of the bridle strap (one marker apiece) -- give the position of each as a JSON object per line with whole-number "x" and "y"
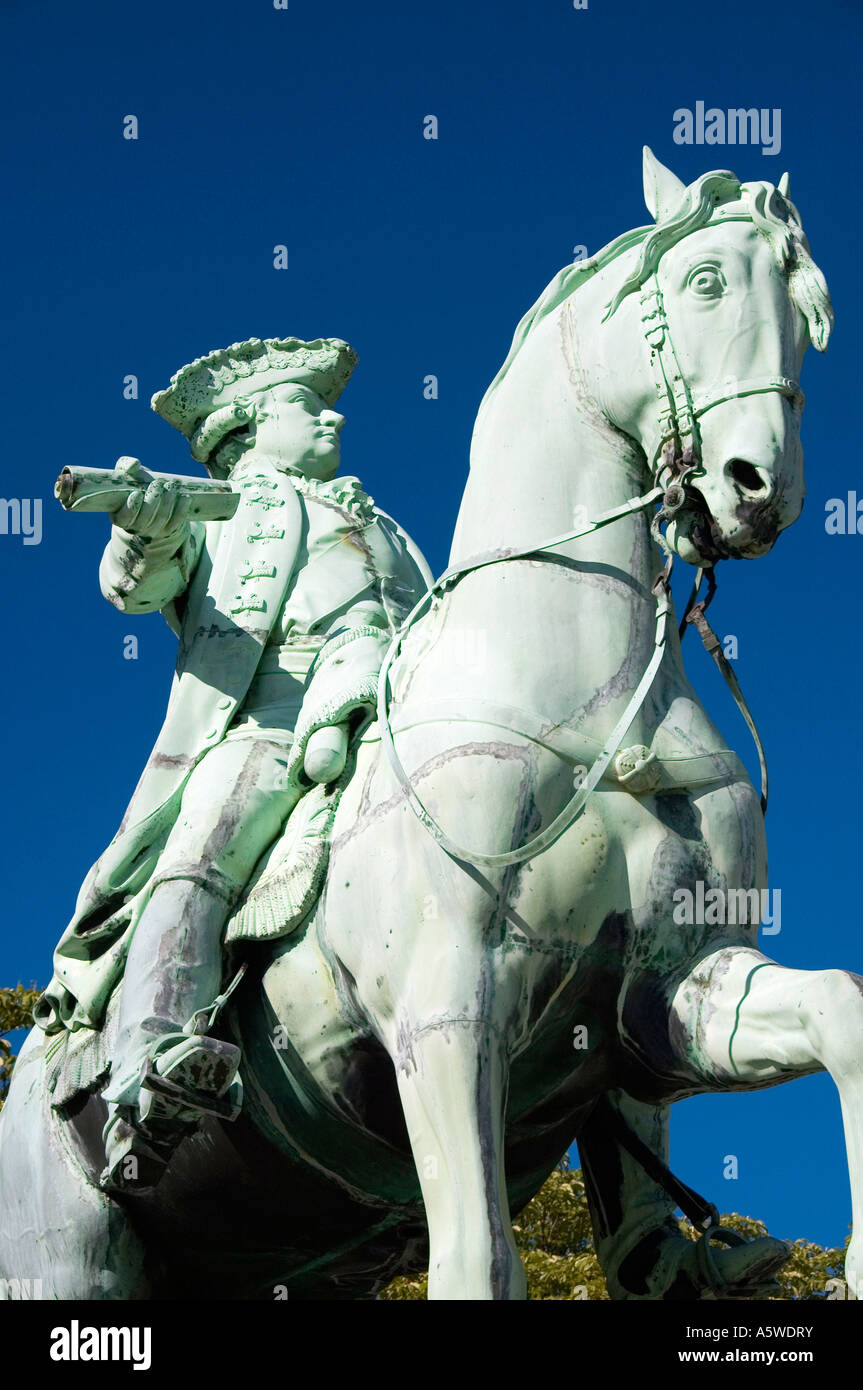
{"x": 751, "y": 386}
{"x": 679, "y": 411}
{"x": 677, "y": 419}
{"x": 495, "y": 557}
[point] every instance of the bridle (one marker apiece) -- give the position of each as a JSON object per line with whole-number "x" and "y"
{"x": 674, "y": 460}
{"x": 678, "y": 411}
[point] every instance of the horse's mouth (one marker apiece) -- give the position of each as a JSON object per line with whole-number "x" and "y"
{"x": 755, "y": 537}
{"x": 702, "y": 531}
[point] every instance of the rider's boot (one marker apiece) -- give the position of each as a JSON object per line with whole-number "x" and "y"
{"x": 166, "y": 1072}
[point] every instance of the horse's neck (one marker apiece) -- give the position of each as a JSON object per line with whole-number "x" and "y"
{"x": 545, "y": 460}
{"x": 572, "y": 642}
{"x": 543, "y": 456}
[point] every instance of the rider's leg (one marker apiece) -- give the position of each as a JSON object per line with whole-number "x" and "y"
{"x": 233, "y": 807}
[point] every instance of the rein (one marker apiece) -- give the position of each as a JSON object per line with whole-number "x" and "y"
{"x": 677, "y": 454}
{"x": 695, "y": 614}
{"x": 673, "y": 500}
{"x": 552, "y": 832}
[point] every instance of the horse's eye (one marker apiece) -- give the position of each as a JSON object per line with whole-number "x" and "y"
{"x": 707, "y": 282}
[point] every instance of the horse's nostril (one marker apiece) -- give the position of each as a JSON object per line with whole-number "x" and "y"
{"x": 746, "y": 475}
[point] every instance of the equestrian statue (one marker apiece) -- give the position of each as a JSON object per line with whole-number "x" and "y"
{"x": 390, "y": 921}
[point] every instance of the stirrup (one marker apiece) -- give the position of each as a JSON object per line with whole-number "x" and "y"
{"x": 203, "y": 1019}
{"x": 195, "y": 1073}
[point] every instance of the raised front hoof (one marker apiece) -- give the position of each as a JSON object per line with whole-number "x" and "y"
{"x": 666, "y": 1266}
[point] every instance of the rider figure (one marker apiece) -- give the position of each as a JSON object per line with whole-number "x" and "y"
{"x": 306, "y": 557}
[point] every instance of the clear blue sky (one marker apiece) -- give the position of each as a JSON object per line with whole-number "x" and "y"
{"x": 304, "y": 127}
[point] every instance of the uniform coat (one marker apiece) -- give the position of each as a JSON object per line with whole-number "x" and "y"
{"x": 222, "y": 586}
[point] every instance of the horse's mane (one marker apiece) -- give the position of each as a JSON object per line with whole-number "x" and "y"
{"x": 773, "y": 215}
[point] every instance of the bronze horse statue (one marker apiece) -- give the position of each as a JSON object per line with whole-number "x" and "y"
{"x": 541, "y": 782}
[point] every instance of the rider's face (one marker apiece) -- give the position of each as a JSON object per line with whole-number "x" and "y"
{"x": 295, "y": 424}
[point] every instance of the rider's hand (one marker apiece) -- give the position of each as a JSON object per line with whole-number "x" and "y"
{"x": 326, "y": 753}
{"x": 153, "y": 511}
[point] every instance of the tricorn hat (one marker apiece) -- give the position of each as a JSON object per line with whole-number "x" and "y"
{"x": 211, "y": 383}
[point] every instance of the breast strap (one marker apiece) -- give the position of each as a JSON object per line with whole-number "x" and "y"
{"x": 668, "y": 774}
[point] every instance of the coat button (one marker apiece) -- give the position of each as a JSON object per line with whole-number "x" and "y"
{"x": 225, "y": 704}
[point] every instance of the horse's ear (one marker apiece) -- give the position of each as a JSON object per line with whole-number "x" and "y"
{"x": 662, "y": 189}
{"x": 784, "y": 186}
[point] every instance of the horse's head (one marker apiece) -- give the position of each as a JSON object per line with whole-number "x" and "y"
{"x": 703, "y": 343}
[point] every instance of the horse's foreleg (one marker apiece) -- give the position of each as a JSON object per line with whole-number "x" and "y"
{"x": 744, "y": 1022}
{"x": 452, "y": 1079}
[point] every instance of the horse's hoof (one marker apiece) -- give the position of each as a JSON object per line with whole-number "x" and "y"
{"x": 744, "y": 1271}
{"x": 667, "y": 1266}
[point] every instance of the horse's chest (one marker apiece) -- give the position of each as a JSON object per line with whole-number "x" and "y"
{"x": 669, "y": 869}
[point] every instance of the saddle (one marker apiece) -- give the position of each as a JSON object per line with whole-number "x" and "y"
{"x": 285, "y": 885}
{"x": 288, "y": 881}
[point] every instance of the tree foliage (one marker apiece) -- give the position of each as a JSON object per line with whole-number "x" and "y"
{"x": 16, "y": 1011}
{"x": 554, "y": 1236}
